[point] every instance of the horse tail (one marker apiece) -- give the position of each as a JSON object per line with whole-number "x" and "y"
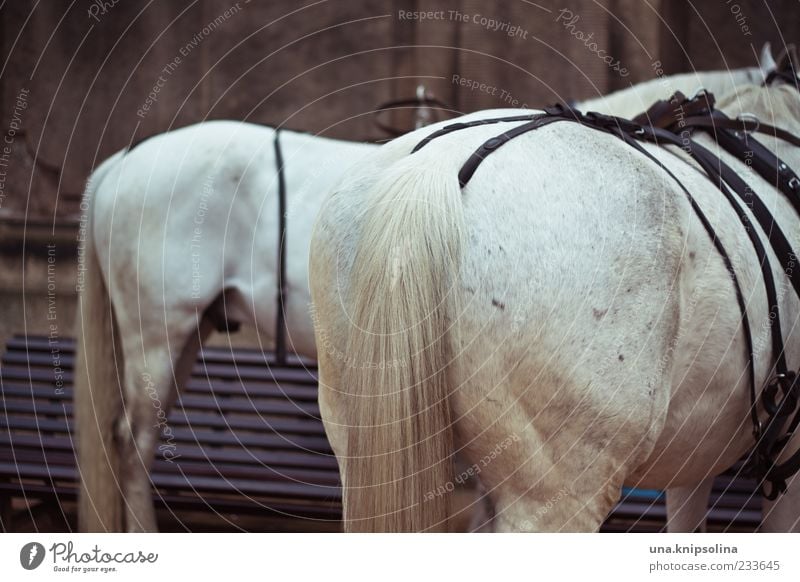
{"x": 399, "y": 470}
{"x": 98, "y": 400}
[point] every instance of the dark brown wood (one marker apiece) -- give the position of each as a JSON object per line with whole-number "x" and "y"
{"x": 245, "y": 438}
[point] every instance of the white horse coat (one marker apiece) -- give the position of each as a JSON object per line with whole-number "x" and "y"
{"x": 565, "y": 316}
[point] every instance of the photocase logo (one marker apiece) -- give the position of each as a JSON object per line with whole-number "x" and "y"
{"x": 31, "y": 555}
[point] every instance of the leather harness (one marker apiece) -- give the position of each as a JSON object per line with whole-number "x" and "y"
{"x": 280, "y": 318}
{"x": 661, "y": 125}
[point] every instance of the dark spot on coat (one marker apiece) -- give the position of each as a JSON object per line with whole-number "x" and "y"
{"x": 471, "y": 290}
{"x": 502, "y": 250}
{"x": 599, "y": 313}
{"x": 691, "y": 255}
{"x": 499, "y": 304}
{"x": 621, "y": 358}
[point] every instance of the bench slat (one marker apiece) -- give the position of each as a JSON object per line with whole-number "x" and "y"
{"x": 66, "y": 346}
{"x": 20, "y": 399}
{"x": 248, "y": 456}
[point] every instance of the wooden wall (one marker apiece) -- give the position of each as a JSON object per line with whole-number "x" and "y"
{"x": 86, "y": 71}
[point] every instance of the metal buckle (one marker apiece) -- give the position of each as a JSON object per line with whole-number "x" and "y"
{"x": 794, "y": 183}
{"x": 745, "y": 117}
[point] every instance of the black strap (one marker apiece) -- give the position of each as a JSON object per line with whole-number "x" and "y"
{"x": 472, "y": 163}
{"x": 467, "y": 124}
{"x": 787, "y": 76}
{"x": 749, "y": 150}
{"x": 280, "y": 318}
{"x": 720, "y": 121}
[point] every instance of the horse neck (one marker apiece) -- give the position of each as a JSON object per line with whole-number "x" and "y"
{"x": 636, "y": 99}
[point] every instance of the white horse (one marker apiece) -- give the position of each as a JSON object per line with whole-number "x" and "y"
{"x": 564, "y": 322}
{"x": 181, "y": 236}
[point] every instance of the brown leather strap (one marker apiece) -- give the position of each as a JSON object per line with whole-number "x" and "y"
{"x": 741, "y": 124}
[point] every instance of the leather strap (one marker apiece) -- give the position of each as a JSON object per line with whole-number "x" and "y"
{"x": 280, "y": 318}
{"x": 786, "y": 75}
{"x": 467, "y": 124}
{"x": 749, "y": 150}
{"x": 743, "y": 125}
{"x": 469, "y": 167}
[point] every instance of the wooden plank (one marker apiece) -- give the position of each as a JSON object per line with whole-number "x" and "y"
{"x": 197, "y": 484}
{"x": 317, "y": 511}
{"x": 66, "y": 347}
{"x": 40, "y": 382}
{"x": 190, "y": 451}
{"x": 246, "y": 374}
{"x": 17, "y": 401}
{"x": 206, "y": 468}
{"x": 51, "y": 418}
{"x": 193, "y": 434}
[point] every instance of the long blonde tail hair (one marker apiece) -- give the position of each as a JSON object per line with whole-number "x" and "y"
{"x": 98, "y": 400}
{"x": 399, "y": 469}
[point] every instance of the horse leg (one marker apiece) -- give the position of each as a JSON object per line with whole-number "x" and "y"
{"x": 687, "y": 506}
{"x": 531, "y": 502}
{"x": 482, "y": 511}
{"x": 782, "y": 515}
{"x": 154, "y": 374}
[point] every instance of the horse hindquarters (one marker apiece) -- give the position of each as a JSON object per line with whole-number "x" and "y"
{"x": 569, "y": 313}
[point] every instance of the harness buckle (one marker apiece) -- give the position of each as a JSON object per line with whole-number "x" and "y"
{"x": 749, "y": 117}
{"x": 778, "y": 488}
{"x": 794, "y": 183}
{"x": 775, "y": 403}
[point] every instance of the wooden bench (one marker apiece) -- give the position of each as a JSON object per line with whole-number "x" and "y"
{"x": 247, "y": 441}
{"x": 251, "y": 452}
